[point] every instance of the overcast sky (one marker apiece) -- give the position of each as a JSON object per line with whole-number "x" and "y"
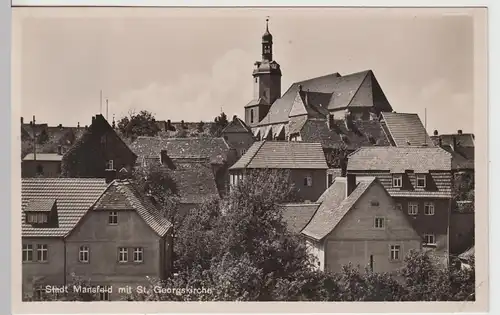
{"x": 189, "y": 64}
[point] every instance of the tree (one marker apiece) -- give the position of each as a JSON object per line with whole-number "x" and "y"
{"x": 43, "y": 137}
{"x": 200, "y": 127}
{"x": 220, "y": 122}
{"x": 337, "y": 157}
{"x": 155, "y": 180}
{"x": 142, "y": 124}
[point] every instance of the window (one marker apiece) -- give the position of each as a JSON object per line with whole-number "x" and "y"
{"x": 429, "y": 239}
{"x": 413, "y": 208}
{"x": 123, "y": 254}
{"x": 83, "y": 254}
{"x": 113, "y": 218}
{"x": 330, "y": 179}
{"x": 395, "y": 252}
{"x": 27, "y": 252}
{"x": 36, "y": 218}
{"x": 243, "y": 151}
{"x": 429, "y": 208}
{"x": 110, "y": 165}
{"x": 138, "y": 256}
{"x": 379, "y": 223}
{"x": 399, "y": 207}
{"x": 397, "y": 180}
{"x": 251, "y": 116}
{"x": 374, "y": 203}
{"x": 255, "y": 80}
{"x": 421, "y": 180}
{"x": 42, "y": 252}
{"x": 104, "y": 294}
{"x": 308, "y": 181}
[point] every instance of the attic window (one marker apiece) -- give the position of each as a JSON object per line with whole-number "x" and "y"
{"x": 421, "y": 180}
{"x": 397, "y": 180}
{"x": 37, "y": 210}
{"x": 36, "y": 217}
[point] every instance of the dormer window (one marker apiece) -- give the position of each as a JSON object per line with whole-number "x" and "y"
{"x": 37, "y": 210}
{"x": 397, "y": 180}
{"x": 37, "y": 218}
{"x": 421, "y": 180}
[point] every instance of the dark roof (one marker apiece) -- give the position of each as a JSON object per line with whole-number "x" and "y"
{"x": 360, "y": 133}
{"x": 462, "y": 157}
{"x": 399, "y": 159}
{"x": 195, "y": 182}
{"x": 74, "y": 198}
{"x": 463, "y": 140}
{"x": 40, "y": 205}
{"x": 43, "y": 157}
{"x": 354, "y": 90}
{"x": 214, "y": 149}
{"x": 98, "y": 127}
{"x": 283, "y": 155}
{"x": 188, "y": 125}
{"x": 124, "y": 195}
{"x": 297, "y": 215}
{"x": 334, "y": 206}
{"x": 406, "y": 129}
{"x": 237, "y": 126}
{"x": 311, "y": 104}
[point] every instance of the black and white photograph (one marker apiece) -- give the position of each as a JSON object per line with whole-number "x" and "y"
{"x": 249, "y": 154}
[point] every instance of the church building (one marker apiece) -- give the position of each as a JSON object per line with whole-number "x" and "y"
{"x": 326, "y": 109}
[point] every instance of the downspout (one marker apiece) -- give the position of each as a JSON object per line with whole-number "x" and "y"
{"x": 65, "y": 262}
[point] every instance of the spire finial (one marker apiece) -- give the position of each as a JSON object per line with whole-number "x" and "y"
{"x": 267, "y": 23}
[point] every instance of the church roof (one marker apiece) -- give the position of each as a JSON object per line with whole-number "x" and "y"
{"x": 237, "y": 126}
{"x": 360, "y": 133}
{"x": 359, "y": 89}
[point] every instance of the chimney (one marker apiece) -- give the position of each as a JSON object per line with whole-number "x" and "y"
{"x": 110, "y": 175}
{"x": 331, "y": 121}
{"x": 459, "y": 131}
{"x": 78, "y": 125}
{"x": 93, "y": 119}
{"x": 350, "y": 184}
{"x": 300, "y": 87}
{"x": 436, "y": 132}
{"x": 235, "y": 117}
{"x": 454, "y": 143}
{"x": 169, "y": 125}
{"x": 22, "y": 120}
{"x": 163, "y": 156}
{"x": 59, "y": 149}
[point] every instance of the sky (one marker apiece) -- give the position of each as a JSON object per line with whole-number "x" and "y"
{"x": 189, "y": 64}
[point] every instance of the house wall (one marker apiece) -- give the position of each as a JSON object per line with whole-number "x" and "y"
{"x": 297, "y": 178}
{"x": 104, "y": 240}
{"x": 311, "y": 193}
{"x": 316, "y": 249}
{"x": 50, "y": 168}
{"x": 240, "y": 141}
{"x": 43, "y": 273}
{"x": 461, "y": 232}
{"x": 355, "y": 239}
{"x": 436, "y": 224}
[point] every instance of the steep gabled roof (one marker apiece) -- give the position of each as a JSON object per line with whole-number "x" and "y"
{"x": 354, "y": 90}
{"x": 464, "y": 139}
{"x": 124, "y": 195}
{"x": 214, "y": 149}
{"x": 74, "y": 198}
{"x": 236, "y": 126}
{"x": 462, "y": 157}
{"x": 334, "y": 206}
{"x": 406, "y": 129}
{"x": 283, "y": 155}
{"x": 297, "y": 215}
{"x": 399, "y": 159}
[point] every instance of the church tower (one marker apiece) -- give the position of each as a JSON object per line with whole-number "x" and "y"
{"x": 266, "y": 81}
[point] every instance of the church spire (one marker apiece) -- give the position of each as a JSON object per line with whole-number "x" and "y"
{"x": 267, "y": 43}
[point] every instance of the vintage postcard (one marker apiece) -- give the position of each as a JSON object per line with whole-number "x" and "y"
{"x": 217, "y": 155}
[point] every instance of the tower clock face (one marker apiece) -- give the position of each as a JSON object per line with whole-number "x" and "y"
{"x": 267, "y": 50}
